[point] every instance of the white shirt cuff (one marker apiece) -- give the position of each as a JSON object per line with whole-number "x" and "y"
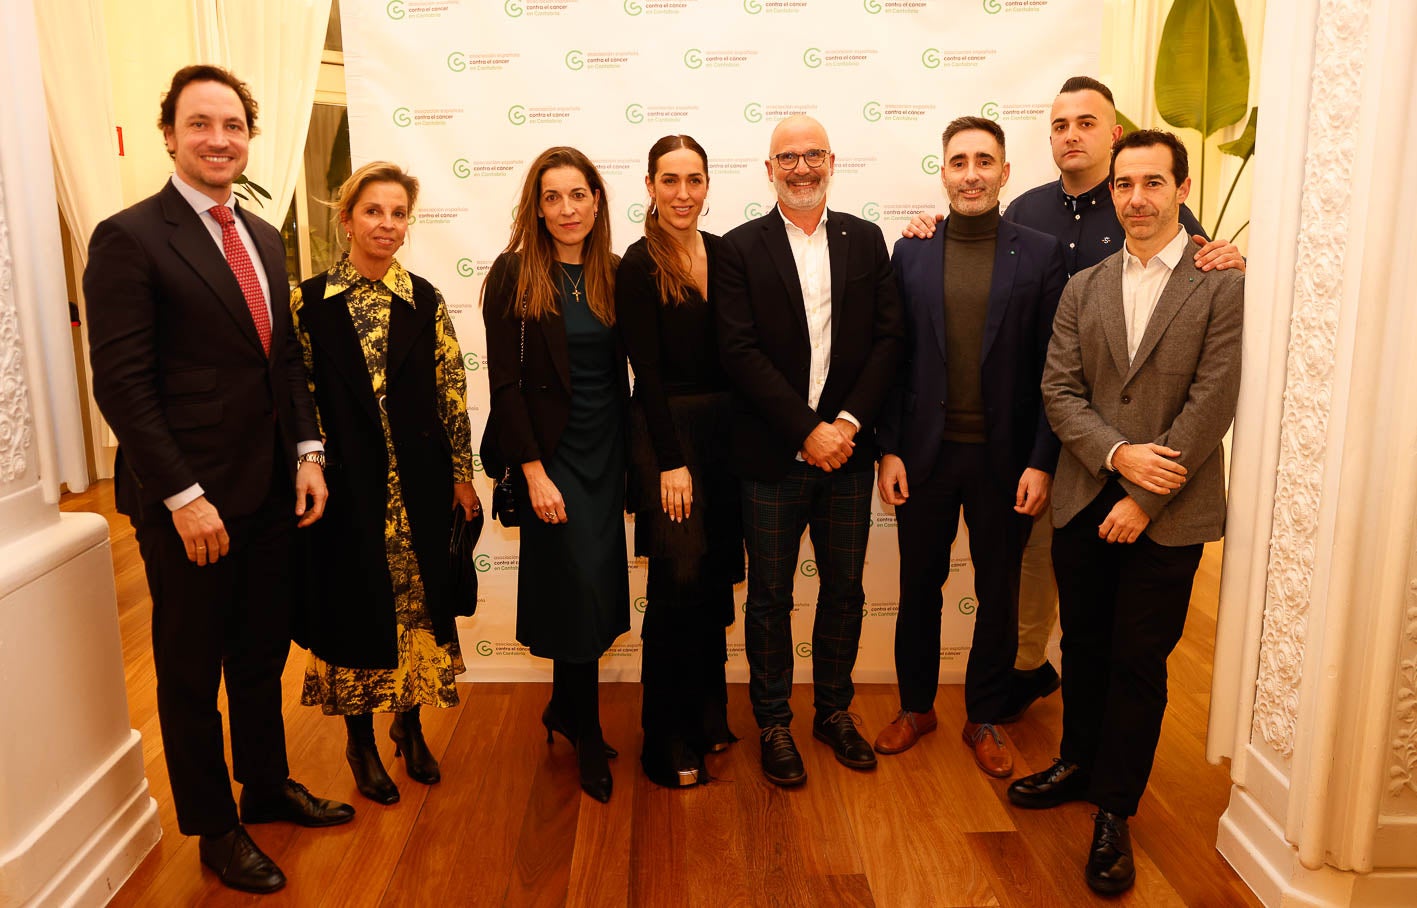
{"x": 184, "y": 497}
{"x": 305, "y": 447}
{"x": 1112, "y": 452}
{"x": 849, "y": 418}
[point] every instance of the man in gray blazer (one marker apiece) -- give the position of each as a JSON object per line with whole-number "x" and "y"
{"x": 1140, "y": 385}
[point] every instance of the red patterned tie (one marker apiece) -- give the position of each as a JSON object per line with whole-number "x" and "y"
{"x": 245, "y": 273}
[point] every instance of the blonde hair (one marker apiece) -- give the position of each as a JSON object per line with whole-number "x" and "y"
{"x": 373, "y": 172}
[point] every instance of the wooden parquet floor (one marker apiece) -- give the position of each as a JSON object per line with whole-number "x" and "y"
{"x": 508, "y": 824}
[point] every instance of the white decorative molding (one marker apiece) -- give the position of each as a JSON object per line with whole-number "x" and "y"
{"x": 1402, "y": 775}
{"x": 1341, "y": 45}
{"x": 16, "y": 432}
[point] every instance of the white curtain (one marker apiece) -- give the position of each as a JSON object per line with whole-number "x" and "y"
{"x": 32, "y": 216}
{"x": 275, "y": 46}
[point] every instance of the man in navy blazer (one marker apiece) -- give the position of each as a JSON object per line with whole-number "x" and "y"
{"x": 810, "y": 335}
{"x": 966, "y": 429}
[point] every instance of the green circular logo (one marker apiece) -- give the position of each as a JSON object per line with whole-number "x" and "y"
{"x": 753, "y": 210}
{"x": 872, "y": 111}
{"x": 477, "y": 463}
{"x": 395, "y": 9}
{"x": 402, "y": 116}
{"x": 462, "y": 168}
{"x": 635, "y": 113}
{"x": 871, "y": 211}
{"x": 752, "y": 7}
{"x": 457, "y": 62}
{"x": 640, "y": 603}
{"x": 930, "y": 163}
{"x": 482, "y": 562}
{"x": 804, "y": 650}
{"x": 513, "y": 8}
{"x": 575, "y": 60}
{"x": 753, "y": 112}
{"x": 990, "y": 110}
{"x": 992, "y": 6}
{"x": 967, "y": 605}
{"x": 694, "y": 58}
{"x": 930, "y": 58}
{"x": 636, "y": 213}
{"x": 633, "y": 7}
{"x": 516, "y": 115}
{"x": 809, "y": 568}
{"x": 484, "y": 647}
{"x": 467, "y": 268}
{"x": 871, "y": 6}
{"x": 812, "y": 57}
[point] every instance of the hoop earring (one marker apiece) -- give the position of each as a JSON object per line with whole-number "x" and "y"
{"x": 705, "y": 212}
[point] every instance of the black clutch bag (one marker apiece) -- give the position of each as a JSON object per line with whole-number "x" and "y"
{"x": 504, "y": 501}
{"x": 462, "y": 569}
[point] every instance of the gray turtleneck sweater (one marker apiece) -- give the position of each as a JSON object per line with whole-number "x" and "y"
{"x": 969, "y": 269}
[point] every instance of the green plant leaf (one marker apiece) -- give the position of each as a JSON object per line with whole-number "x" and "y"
{"x": 1126, "y": 123}
{"x": 255, "y": 188}
{"x": 1202, "y": 66}
{"x": 1244, "y": 146}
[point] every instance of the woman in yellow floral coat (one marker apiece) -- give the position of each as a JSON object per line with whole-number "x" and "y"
{"x": 387, "y": 376}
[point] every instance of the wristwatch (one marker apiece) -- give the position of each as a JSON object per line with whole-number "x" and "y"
{"x": 315, "y": 457}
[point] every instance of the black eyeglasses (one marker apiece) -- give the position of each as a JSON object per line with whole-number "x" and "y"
{"x": 814, "y": 157}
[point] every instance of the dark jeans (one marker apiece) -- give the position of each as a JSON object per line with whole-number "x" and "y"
{"x": 1123, "y": 609}
{"x": 231, "y": 618}
{"x": 836, "y": 508}
{"x": 963, "y": 477}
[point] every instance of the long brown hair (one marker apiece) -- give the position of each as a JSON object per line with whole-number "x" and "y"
{"x": 673, "y": 276}
{"x": 532, "y": 242}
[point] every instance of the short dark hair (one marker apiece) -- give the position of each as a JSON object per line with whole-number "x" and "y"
{"x": 1146, "y": 138}
{"x": 202, "y": 72}
{"x": 1087, "y": 83}
{"x": 964, "y": 124}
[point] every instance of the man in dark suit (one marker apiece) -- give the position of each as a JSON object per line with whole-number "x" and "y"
{"x": 196, "y": 368}
{"x": 810, "y": 334}
{"x": 1140, "y": 385}
{"x": 967, "y": 431}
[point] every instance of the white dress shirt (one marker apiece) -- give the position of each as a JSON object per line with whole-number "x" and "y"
{"x": 203, "y": 204}
{"x": 814, "y": 274}
{"x": 1141, "y": 289}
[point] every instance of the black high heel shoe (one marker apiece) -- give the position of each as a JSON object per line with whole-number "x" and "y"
{"x": 370, "y": 777}
{"x": 555, "y": 722}
{"x": 407, "y": 735}
{"x": 672, "y": 762}
{"x": 596, "y": 780}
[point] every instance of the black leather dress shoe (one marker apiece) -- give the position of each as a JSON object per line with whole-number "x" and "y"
{"x": 1058, "y": 784}
{"x": 1109, "y": 862}
{"x": 1026, "y": 688}
{"x": 839, "y": 730}
{"x": 782, "y": 764}
{"x": 238, "y": 863}
{"x": 292, "y": 802}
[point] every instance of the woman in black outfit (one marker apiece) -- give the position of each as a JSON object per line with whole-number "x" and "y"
{"x": 558, "y": 386}
{"x": 685, "y": 500}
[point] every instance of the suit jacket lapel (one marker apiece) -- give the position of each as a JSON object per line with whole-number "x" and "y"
{"x": 1114, "y": 319}
{"x": 838, "y": 246}
{"x": 932, "y": 285}
{"x": 191, "y": 241}
{"x": 780, "y": 250}
{"x": 1184, "y": 280}
{"x": 1001, "y": 284}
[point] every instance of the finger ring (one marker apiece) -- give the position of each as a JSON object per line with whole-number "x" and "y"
{"x": 550, "y": 515}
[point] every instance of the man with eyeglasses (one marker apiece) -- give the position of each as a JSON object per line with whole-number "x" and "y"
{"x": 811, "y": 335}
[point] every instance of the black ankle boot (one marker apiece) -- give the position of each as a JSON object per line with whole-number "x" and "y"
{"x": 407, "y": 734}
{"x": 363, "y": 756}
{"x": 596, "y": 780}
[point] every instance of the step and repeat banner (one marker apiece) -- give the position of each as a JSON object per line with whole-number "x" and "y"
{"x": 464, "y": 93}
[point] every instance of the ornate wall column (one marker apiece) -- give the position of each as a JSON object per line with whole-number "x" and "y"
{"x": 1314, "y": 696}
{"x": 75, "y": 814}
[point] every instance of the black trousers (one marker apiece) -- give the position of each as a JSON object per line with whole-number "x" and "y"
{"x": 1123, "y": 609}
{"x": 231, "y": 618}
{"x": 963, "y": 477}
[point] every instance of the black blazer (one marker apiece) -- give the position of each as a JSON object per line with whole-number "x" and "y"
{"x": 762, "y": 324}
{"x": 1028, "y": 278}
{"x": 178, "y": 369}
{"x": 526, "y": 422}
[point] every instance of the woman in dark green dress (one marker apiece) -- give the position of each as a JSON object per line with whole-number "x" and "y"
{"x": 558, "y": 386}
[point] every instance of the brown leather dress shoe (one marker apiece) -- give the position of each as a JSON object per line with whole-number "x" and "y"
{"x": 904, "y": 731}
{"x": 990, "y": 751}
